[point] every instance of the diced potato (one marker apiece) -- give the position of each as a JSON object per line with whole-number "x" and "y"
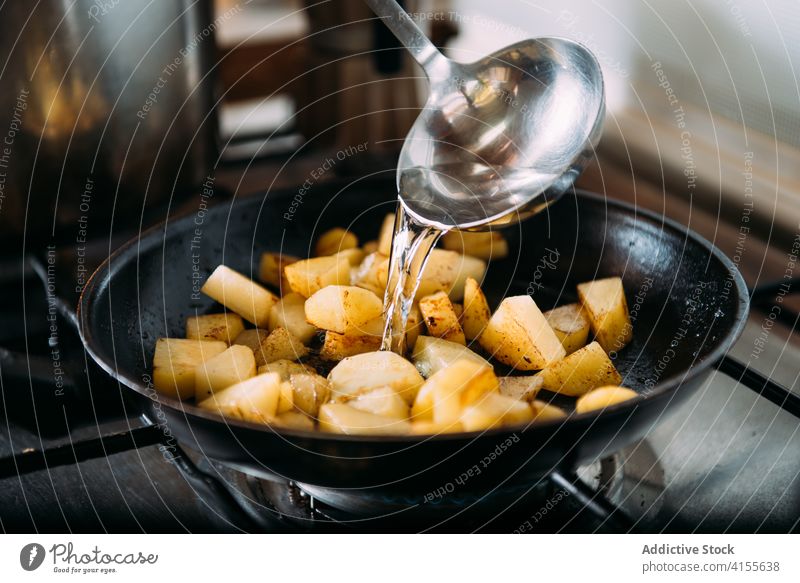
{"x": 353, "y": 256}
{"x": 371, "y": 274}
{"x": 543, "y": 411}
{"x": 476, "y": 310}
{"x": 240, "y": 294}
{"x": 232, "y": 366}
{"x": 342, "y": 308}
{"x": 459, "y": 310}
{"x": 225, "y": 327}
{"x": 285, "y": 397}
{"x": 364, "y": 372}
{"x": 571, "y": 325}
{"x": 308, "y": 276}
{"x": 309, "y": 391}
{"x": 255, "y": 399}
{"x": 524, "y": 388}
{"x": 369, "y": 247}
{"x": 280, "y": 345}
{"x": 286, "y": 368}
{"x": 270, "y": 269}
{"x": 603, "y": 397}
{"x": 386, "y": 235}
{"x": 580, "y": 372}
{"x": 518, "y": 335}
{"x": 448, "y": 271}
{"x": 489, "y": 245}
{"x": 335, "y": 240}
{"x": 440, "y": 318}
{"x": 413, "y": 326}
{"x": 290, "y": 313}
{"x": 431, "y": 428}
{"x": 433, "y": 354}
{"x": 381, "y": 401}
{"x": 605, "y": 304}
{"x": 293, "y": 420}
{"x": 494, "y": 410}
{"x": 175, "y": 361}
{"x": 341, "y": 418}
{"x": 451, "y": 389}
{"x": 252, "y": 338}
{"x": 339, "y": 346}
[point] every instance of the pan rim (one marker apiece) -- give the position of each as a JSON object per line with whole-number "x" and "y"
{"x": 101, "y": 277}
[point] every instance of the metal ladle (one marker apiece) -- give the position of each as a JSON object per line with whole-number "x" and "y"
{"x": 498, "y": 139}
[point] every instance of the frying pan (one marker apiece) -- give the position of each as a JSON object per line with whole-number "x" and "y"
{"x": 688, "y": 304}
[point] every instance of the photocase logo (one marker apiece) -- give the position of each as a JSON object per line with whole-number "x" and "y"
{"x": 31, "y": 556}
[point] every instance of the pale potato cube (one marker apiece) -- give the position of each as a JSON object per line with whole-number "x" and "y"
{"x": 524, "y": 388}
{"x": 286, "y": 368}
{"x": 433, "y": 354}
{"x": 340, "y": 346}
{"x": 175, "y": 361}
{"x": 386, "y": 235}
{"x": 605, "y": 304}
{"x": 270, "y": 269}
{"x": 252, "y": 338}
{"x": 423, "y": 427}
{"x": 280, "y": 345}
{"x": 290, "y": 313}
{"x": 488, "y": 245}
{"x": 285, "y": 397}
{"x": 335, "y": 240}
{"x": 240, "y": 294}
{"x": 571, "y": 325}
{"x": 518, "y": 335}
{"x": 293, "y": 420}
{"x": 342, "y": 308}
{"x": 372, "y": 273}
{"x": 476, "y": 310}
{"x": 341, "y": 418}
{"x": 603, "y": 397}
{"x": 440, "y": 318}
{"x": 381, "y": 401}
{"x": 543, "y": 411}
{"x": 413, "y": 326}
{"x": 353, "y": 256}
{"x": 361, "y": 373}
{"x": 232, "y": 366}
{"x": 580, "y": 372}
{"x": 308, "y": 276}
{"x": 255, "y": 399}
{"x": 453, "y": 388}
{"x": 225, "y": 327}
{"x": 494, "y": 410}
{"x": 309, "y": 391}
{"x": 448, "y": 271}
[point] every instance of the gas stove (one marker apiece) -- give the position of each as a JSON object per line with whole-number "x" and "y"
{"x": 74, "y": 458}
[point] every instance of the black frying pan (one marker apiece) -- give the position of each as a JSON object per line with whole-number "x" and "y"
{"x": 687, "y": 300}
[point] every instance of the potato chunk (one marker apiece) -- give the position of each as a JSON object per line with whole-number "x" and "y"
{"x": 290, "y": 313}
{"x": 286, "y": 368}
{"x": 494, "y": 410}
{"x": 571, "y": 325}
{"x": 446, "y": 393}
{"x": 270, "y": 269}
{"x": 285, "y": 397}
{"x": 340, "y": 346}
{"x": 604, "y": 301}
{"x": 335, "y": 240}
{"x": 255, "y": 399}
{"x": 603, "y": 397}
{"x": 341, "y": 418}
{"x": 448, "y": 271}
{"x": 518, "y": 335}
{"x": 342, "y": 308}
{"x": 239, "y": 294}
{"x": 175, "y": 361}
{"x": 543, "y": 411}
{"x": 309, "y": 391}
{"x": 232, "y": 366}
{"x": 428, "y": 427}
{"x": 293, "y": 420}
{"x": 476, "y": 310}
{"x": 364, "y": 372}
{"x": 524, "y": 388}
{"x": 488, "y": 245}
{"x": 440, "y": 318}
{"x": 381, "y": 401}
{"x": 225, "y": 327}
{"x": 580, "y": 372}
{"x": 386, "y": 235}
{"x": 433, "y": 354}
{"x": 308, "y": 276}
{"x": 353, "y": 256}
{"x": 280, "y": 345}
{"x": 372, "y": 273}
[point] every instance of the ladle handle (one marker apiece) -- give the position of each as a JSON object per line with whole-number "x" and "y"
{"x": 433, "y": 62}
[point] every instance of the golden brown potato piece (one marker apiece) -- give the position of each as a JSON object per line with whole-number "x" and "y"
{"x": 353, "y": 256}
{"x": 361, "y": 373}
{"x": 381, "y": 401}
{"x": 270, "y": 269}
{"x": 448, "y": 271}
{"x": 518, "y": 335}
{"x": 280, "y": 345}
{"x": 605, "y": 304}
{"x": 232, "y": 366}
{"x": 476, "y": 310}
{"x": 524, "y": 388}
{"x": 428, "y": 427}
{"x": 255, "y": 399}
{"x": 543, "y": 411}
{"x": 433, "y": 354}
{"x": 309, "y": 391}
{"x": 225, "y": 327}
{"x": 603, "y": 397}
{"x": 341, "y": 418}
{"x": 413, "y": 326}
{"x": 308, "y": 276}
{"x": 286, "y": 368}
{"x": 489, "y": 246}
{"x": 386, "y": 235}
{"x": 175, "y": 361}
{"x": 342, "y": 308}
{"x": 240, "y": 294}
{"x": 571, "y": 325}
{"x": 335, "y": 240}
{"x": 290, "y": 313}
{"x": 369, "y": 247}
{"x": 580, "y": 372}
{"x": 340, "y": 346}
{"x": 440, "y": 318}
{"x": 445, "y": 394}
{"x": 494, "y": 410}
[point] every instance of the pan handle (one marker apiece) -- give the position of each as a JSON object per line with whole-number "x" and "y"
{"x": 759, "y": 383}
